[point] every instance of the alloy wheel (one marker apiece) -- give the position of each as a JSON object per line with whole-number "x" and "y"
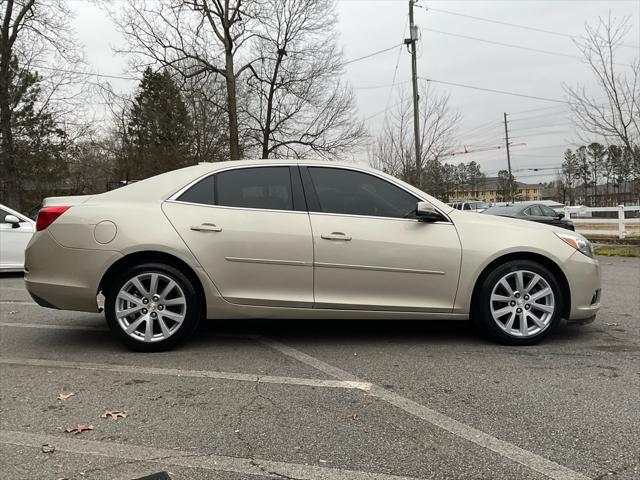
{"x": 522, "y": 303}
{"x": 150, "y": 307}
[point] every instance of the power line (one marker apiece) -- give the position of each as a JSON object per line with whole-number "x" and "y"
{"x": 122, "y": 77}
{"x": 503, "y": 44}
{"x": 518, "y": 112}
{"x": 395, "y": 73}
{"x": 375, "y": 87}
{"x": 503, "y": 92}
{"x": 372, "y": 54}
{"x": 515, "y": 25}
{"x": 89, "y": 74}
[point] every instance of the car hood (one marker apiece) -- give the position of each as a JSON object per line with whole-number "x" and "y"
{"x": 502, "y": 222}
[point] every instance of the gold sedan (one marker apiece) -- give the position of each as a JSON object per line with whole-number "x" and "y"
{"x": 294, "y": 239}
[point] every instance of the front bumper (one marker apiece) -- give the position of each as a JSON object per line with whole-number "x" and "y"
{"x": 583, "y": 275}
{"x": 64, "y": 278}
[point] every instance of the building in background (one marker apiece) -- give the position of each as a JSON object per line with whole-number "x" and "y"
{"x": 488, "y": 190}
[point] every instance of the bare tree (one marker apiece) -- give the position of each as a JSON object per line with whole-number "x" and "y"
{"x": 192, "y": 38}
{"x": 617, "y": 117}
{"x": 394, "y": 148}
{"x": 297, "y": 103}
{"x": 205, "y": 99}
{"x": 30, "y": 30}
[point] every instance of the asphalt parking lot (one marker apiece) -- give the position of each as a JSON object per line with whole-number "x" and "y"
{"x": 322, "y": 400}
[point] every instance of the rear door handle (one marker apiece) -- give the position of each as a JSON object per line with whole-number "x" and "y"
{"x": 206, "y": 227}
{"x": 336, "y": 236}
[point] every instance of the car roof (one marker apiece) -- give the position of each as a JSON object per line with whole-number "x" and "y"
{"x": 163, "y": 186}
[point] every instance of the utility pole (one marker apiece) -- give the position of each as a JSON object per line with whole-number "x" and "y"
{"x": 506, "y": 137}
{"x": 411, "y": 42}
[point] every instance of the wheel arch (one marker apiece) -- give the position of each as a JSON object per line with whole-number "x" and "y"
{"x": 534, "y": 257}
{"x": 146, "y": 256}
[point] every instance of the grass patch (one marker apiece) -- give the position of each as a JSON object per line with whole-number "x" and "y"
{"x": 619, "y": 251}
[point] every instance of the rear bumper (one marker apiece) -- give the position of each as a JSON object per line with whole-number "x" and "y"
{"x": 583, "y": 274}
{"x": 64, "y": 278}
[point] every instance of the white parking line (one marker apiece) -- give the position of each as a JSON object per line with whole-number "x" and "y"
{"x": 53, "y": 327}
{"x": 175, "y": 372}
{"x": 524, "y": 457}
{"x": 244, "y": 466}
{"x": 17, "y": 302}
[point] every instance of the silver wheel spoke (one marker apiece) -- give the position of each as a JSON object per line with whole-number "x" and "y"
{"x": 509, "y": 324}
{"x": 523, "y": 324}
{"x": 163, "y": 327}
{"x": 506, "y": 286}
{"x": 131, "y": 298}
{"x": 153, "y": 285}
{"x": 129, "y": 311}
{"x": 502, "y": 311}
{"x": 544, "y": 308}
{"x": 499, "y": 298}
{"x": 542, "y": 293}
{"x": 533, "y": 282}
{"x": 148, "y": 329}
{"x": 537, "y": 320}
{"x": 174, "y": 301}
{"x": 176, "y": 317}
{"x": 136, "y": 282}
{"x": 167, "y": 290}
{"x": 135, "y": 324}
{"x": 519, "y": 281}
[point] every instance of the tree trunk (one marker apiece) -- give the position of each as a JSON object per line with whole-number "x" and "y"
{"x": 232, "y": 109}
{"x": 11, "y": 194}
{"x": 272, "y": 89}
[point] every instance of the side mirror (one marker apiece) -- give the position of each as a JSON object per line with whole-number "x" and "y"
{"x": 560, "y": 215}
{"x": 13, "y": 220}
{"x": 426, "y": 213}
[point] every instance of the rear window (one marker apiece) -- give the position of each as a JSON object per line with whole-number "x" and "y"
{"x": 201, "y": 192}
{"x": 258, "y": 187}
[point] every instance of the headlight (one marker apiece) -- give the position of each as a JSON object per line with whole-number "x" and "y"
{"x": 578, "y": 242}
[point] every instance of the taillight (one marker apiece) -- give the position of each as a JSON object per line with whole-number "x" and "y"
{"x": 48, "y": 215}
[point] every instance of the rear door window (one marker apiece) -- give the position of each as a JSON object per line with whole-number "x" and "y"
{"x": 258, "y": 187}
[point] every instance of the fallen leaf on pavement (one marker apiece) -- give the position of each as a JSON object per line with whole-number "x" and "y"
{"x": 114, "y": 414}
{"x": 79, "y": 428}
{"x": 63, "y": 396}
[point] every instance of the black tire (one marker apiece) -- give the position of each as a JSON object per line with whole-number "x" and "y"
{"x": 183, "y": 331}
{"x": 481, "y": 308}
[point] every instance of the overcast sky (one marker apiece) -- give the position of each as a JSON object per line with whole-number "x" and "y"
{"x": 370, "y": 25}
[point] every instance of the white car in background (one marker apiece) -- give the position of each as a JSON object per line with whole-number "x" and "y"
{"x": 15, "y": 232}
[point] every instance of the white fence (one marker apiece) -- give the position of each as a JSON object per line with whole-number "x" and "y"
{"x": 583, "y": 216}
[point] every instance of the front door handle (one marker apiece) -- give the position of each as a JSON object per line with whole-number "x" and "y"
{"x": 206, "y": 227}
{"x": 336, "y": 236}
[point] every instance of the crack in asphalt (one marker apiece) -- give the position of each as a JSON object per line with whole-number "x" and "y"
{"x": 250, "y": 449}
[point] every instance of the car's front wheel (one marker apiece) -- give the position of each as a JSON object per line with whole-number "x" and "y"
{"x": 152, "y": 307}
{"x": 518, "y": 303}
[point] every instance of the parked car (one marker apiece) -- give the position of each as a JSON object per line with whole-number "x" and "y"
{"x": 293, "y": 239}
{"x": 471, "y": 205}
{"x": 534, "y": 212}
{"x": 15, "y": 232}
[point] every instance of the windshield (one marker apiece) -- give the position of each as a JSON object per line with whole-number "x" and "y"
{"x": 502, "y": 210}
{"x": 478, "y": 205}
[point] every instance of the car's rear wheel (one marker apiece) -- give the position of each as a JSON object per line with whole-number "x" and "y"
{"x": 518, "y": 303}
{"x": 152, "y": 307}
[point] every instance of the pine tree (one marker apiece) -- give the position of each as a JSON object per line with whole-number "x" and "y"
{"x": 159, "y": 133}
